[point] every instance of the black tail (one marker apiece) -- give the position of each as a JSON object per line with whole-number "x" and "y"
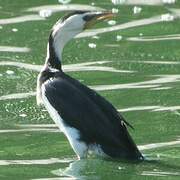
{"x": 122, "y": 153}
{"x": 125, "y": 149}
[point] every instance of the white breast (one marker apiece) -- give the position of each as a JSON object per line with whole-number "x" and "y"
{"x": 71, "y": 133}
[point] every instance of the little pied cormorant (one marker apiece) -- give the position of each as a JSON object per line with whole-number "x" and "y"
{"x": 89, "y": 121}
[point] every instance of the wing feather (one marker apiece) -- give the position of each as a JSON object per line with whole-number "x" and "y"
{"x": 84, "y": 109}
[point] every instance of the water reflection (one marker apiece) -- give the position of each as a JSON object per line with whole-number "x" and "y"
{"x": 21, "y": 19}
{"x": 158, "y": 145}
{"x": 67, "y": 7}
{"x": 14, "y": 49}
{"x": 88, "y": 66}
{"x": 155, "y": 38}
{"x": 157, "y": 82}
{"x": 156, "y": 62}
{"x": 160, "y": 173}
{"x": 17, "y": 96}
{"x": 111, "y": 169}
{"x": 136, "y": 23}
{"x": 143, "y": 2}
{"x": 34, "y": 161}
{"x": 92, "y": 169}
{"x": 165, "y": 149}
{"x": 150, "y": 108}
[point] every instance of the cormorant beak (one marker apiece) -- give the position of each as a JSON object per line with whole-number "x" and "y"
{"x": 98, "y": 17}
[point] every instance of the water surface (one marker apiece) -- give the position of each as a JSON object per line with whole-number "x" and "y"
{"x": 135, "y": 65}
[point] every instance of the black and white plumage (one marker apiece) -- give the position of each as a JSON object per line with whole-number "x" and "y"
{"x": 87, "y": 119}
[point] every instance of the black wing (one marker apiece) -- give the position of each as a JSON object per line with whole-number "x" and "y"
{"x": 96, "y": 119}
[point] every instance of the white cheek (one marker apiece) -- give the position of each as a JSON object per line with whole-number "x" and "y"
{"x": 76, "y": 23}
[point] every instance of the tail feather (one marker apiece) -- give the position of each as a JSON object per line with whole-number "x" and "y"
{"x": 115, "y": 152}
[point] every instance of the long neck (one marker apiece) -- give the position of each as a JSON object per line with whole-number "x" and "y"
{"x": 58, "y": 38}
{"x": 54, "y": 53}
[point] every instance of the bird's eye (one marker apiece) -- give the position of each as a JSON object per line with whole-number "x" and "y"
{"x": 88, "y": 17}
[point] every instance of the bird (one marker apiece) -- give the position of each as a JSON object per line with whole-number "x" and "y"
{"x": 91, "y": 123}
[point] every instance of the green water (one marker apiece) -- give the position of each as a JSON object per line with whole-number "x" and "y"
{"x": 147, "y": 93}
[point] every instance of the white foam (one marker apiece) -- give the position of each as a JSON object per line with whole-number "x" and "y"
{"x": 112, "y": 22}
{"x": 137, "y": 10}
{"x": 14, "y": 30}
{"x": 45, "y": 13}
{"x": 92, "y": 45}
{"x": 23, "y": 115}
{"x": 167, "y": 17}
{"x": 119, "y": 37}
{"x": 115, "y": 10}
{"x": 9, "y": 72}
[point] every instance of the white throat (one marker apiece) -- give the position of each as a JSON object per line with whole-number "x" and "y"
{"x": 61, "y": 35}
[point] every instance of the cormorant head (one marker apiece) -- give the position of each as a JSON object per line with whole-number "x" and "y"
{"x": 77, "y": 21}
{"x": 68, "y": 27}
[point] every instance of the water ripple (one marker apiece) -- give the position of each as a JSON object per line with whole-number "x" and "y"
{"x": 152, "y": 108}
{"x": 155, "y": 62}
{"x": 136, "y": 23}
{"x": 155, "y": 38}
{"x": 67, "y": 7}
{"x": 30, "y": 130}
{"x": 17, "y": 96}
{"x": 144, "y": 2}
{"x": 158, "y": 145}
{"x": 159, "y": 173}
{"x": 162, "y": 79}
{"x": 21, "y": 19}
{"x": 68, "y": 68}
{"x": 14, "y": 49}
{"x": 36, "y": 161}
{"x": 159, "y": 81}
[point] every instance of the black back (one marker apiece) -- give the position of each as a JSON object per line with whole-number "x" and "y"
{"x": 96, "y": 119}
